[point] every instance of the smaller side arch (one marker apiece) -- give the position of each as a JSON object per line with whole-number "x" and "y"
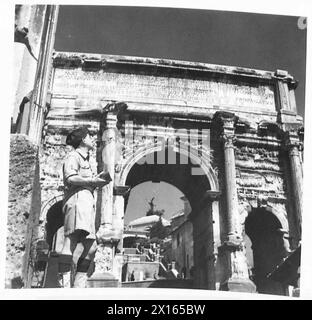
{"x": 245, "y": 210}
{"x": 47, "y": 205}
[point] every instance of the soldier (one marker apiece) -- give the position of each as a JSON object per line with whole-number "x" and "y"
{"x": 78, "y": 209}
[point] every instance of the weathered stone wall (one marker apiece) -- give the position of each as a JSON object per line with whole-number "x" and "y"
{"x": 261, "y": 177}
{"x": 184, "y": 249}
{"x": 79, "y": 95}
{"x": 203, "y": 247}
{"x": 24, "y": 207}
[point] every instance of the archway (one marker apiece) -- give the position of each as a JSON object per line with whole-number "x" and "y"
{"x": 195, "y": 188}
{"x": 54, "y": 237}
{"x": 265, "y": 231}
{"x": 164, "y": 221}
{"x": 54, "y": 222}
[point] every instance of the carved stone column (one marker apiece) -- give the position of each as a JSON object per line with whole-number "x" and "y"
{"x": 118, "y": 215}
{"x": 232, "y": 255}
{"x": 107, "y": 237}
{"x": 294, "y": 146}
{"x": 232, "y": 213}
{"x": 118, "y": 226}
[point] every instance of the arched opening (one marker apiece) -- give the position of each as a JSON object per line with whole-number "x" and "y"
{"x": 193, "y": 187}
{"x": 54, "y": 237}
{"x": 267, "y": 249}
{"x": 54, "y": 221}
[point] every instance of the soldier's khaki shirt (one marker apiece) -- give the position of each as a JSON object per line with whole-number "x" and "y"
{"x": 78, "y": 203}
{"x": 77, "y": 163}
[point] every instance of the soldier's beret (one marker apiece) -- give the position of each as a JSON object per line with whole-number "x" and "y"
{"x": 75, "y": 137}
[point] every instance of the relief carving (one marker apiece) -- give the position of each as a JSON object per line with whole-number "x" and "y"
{"x": 239, "y": 265}
{"x": 103, "y": 259}
{"x": 257, "y": 158}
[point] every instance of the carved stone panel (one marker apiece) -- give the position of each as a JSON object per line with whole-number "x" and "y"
{"x": 92, "y": 86}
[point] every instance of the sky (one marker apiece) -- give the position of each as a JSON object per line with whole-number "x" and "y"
{"x": 259, "y": 41}
{"x": 141, "y": 194}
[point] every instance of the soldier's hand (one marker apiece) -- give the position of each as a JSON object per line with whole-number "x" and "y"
{"x": 98, "y": 182}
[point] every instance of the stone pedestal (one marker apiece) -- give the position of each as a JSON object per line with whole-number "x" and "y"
{"x": 103, "y": 280}
{"x": 118, "y": 213}
{"x": 103, "y": 275}
{"x": 238, "y": 285}
{"x": 238, "y": 274}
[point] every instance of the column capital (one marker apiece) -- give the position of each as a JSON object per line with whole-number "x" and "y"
{"x": 227, "y": 119}
{"x": 292, "y": 142}
{"x": 115, "y": 107}
{"x": 111, "y": 112}
{"x": 227, "y": 122}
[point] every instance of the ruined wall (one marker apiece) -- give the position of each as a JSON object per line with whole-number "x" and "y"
{"x": 24, "y": 208}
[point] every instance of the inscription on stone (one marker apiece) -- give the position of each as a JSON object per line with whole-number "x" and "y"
{"x": 133, "y": 87}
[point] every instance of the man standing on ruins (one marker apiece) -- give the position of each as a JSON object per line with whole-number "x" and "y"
{"x": 78, "y": 209}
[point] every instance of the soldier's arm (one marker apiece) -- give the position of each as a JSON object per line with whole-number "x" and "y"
{"x": 90, "y": 182}
{"x": 71, "y": 175}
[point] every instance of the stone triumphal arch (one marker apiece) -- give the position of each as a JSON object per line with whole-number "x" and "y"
{"x": 229, "y": 138}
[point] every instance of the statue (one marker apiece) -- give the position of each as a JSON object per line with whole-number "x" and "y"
{"x": 151, "y": 211}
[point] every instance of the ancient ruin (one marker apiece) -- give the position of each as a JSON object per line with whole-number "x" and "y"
{"x": 229, "y": 138}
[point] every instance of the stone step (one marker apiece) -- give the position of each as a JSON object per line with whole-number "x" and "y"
{"x": 160, "y": 283}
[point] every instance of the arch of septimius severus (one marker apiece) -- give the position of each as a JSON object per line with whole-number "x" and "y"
{"x": 229, "y": 138}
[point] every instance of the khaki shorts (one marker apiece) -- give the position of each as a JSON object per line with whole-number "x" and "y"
{"x": 79, "y": 214}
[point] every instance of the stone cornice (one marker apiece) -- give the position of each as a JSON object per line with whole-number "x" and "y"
{"x": 284, "y": 76}
{"x": 115, "y": 107}
{"x": 102, "y": 61}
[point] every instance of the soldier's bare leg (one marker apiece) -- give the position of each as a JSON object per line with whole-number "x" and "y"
{"x": 66, "y": 260}
{"x": 70, "y": 244}
{"x": 83, "y": 265}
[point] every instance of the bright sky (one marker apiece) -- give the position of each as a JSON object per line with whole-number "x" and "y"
{"x": 267, "y": 42}
{"x": 144, "y": 192}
